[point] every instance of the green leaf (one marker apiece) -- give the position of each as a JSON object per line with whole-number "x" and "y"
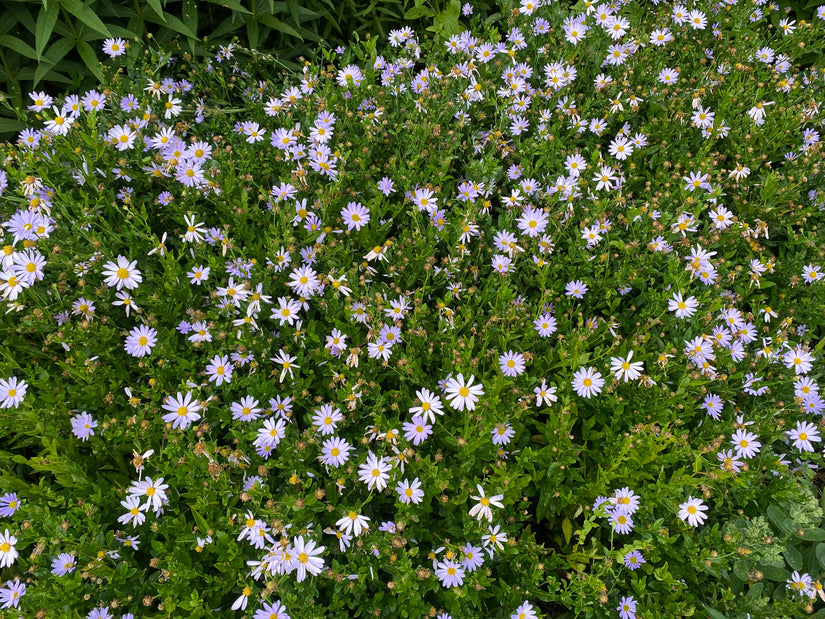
{"x": 417, "y": 12}
{"x": 567, "y": 529}
{"x": 778, "y": 518}
{"x": 46, "y": 20}
{"x": 713, "y": 613}
{"x": 811, "y": 535}
{"x": 252, "y": 33}
{"x": 236, "y": 6}
{"x": 87, "y": 17}
{"x": 793, "y": 557}
{"x": 157, "y": 8}
{"x": 820, "y": 554}
{"x": 755, "y": 591}
{"x": 87, "y": 54}
{"x": 277, "y": 24}
{"x": 8, "y": 125}
{"x": 18, "y": 46}
{"x": 173, "y": 23}
{"x": 53, "y": 55}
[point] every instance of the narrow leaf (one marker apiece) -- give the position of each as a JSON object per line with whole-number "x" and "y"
{"x": 18, "y": 46}
{"x": 46, "y": 20}
{"x": 232, "y": 4}
{"x": 86, "y": 16}
{"x": 157, "y": 8}
{"x": 277, "y": 24}
{"x": 87, "y": 54}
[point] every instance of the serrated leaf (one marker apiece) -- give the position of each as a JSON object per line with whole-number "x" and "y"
{"x": 18, "y": 46}
{"x": 87, "y": 17}
{"x": 87, "y": 54}
{"x": 277, "y": 24}
{"x": 46, "y": 21}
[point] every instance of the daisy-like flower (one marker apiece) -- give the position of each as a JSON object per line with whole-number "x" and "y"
{"x": 375, "y": 472}
{"x": 633, "y": 560}
{"x": 621, "y": 522}
{"x": 576, "y": 289}
{"x": 684, "y": 308}
{"x": 803, "y": 435}
{"x": 114, "y": 47}
{"x": 123, "y": 273}
{"x": 60, "y": 123}
{"x": 12, "y": 391}
{"x": 326, "y": 419}
{"x": 799, "y": 360}
{"x": 219, "y": 370}
{"x": 450, "y": 573}
{"x": 533, "y": 222}
{"x": 417, "y": 431}
{"x": 141, "y": 341}
{"x": 525, "y": 611}
{"x": 287, "y": 363}
{"x": 304, "y": 280}
{"x": 802, "y": 584}
{"x": 8, "y": 553}
{"x": 410, "y": 492}
{"x": 306, "y": 559}
{"x": 83, "y": 425}
{"x": 502, "y": 433}
{"x": 627, "y": 608}
{"x": 511, "y": 363}
{"x": 693, "y": 511}
{"x": 668, "y": 76}
{"x": 482, "y": 509}
{"x": 353, "y": 523}
{"x": 335, "y": 452}
{"x": 545, "y": 325}
{"x": 355, "y": 216}
{"x": 154, "y": 491}
{"x": 494, "y": 539}
{"x": 10, "y": 596}
{"x": 463, "y": 395}
{"x": 587, "y": 382}
{"x": 545, "y": 395}
{"x": 9, "y": 504}
{"x": 63, "y": 564}
{"x": 133, "y": 512}
{"x": 183, "y": 410}
{"x": 245, "y": 410}
{"x": 272, "y": 611}
{"x": 271, "y": 433}
{"x": 729, "y": 462}
{"x": 745, "y": 443}
{"x": 625, "y": 501}
{"x": 626, "y": 370}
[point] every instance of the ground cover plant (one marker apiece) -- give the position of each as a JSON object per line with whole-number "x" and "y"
{"x": 521, "y": 322}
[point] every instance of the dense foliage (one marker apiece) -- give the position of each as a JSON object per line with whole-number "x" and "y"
{"x": 527, "y": 322}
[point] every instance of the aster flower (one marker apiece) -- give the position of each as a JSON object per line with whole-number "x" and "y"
{"x": 587, "y": 382}
{"x": 692, "y": 511}
{"x": 463, "y": 395}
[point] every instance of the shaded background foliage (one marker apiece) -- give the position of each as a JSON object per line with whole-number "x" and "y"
{"x": 54, "y": 45}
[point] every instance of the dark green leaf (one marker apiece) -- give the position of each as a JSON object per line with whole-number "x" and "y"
{"x": 236, "y": 6}
{"x": 713, "y": 613}
{"x": 811, "y": 535}
{"x": 7, "y": 125}
{"x": 86, "y": 16}
{"x": 793, "y": 557}
{"x": 277, "y": 24}
{"x": 46, "y": 20}
{"x": 87, "y": 54}
{"x": 157, "y": 8}
{"x": 18, "y": 46}
{"x": 173, "y": 23}
{"x": 252, "y": 33}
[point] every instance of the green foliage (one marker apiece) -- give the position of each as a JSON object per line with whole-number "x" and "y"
{"x": 465, "y": 283}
